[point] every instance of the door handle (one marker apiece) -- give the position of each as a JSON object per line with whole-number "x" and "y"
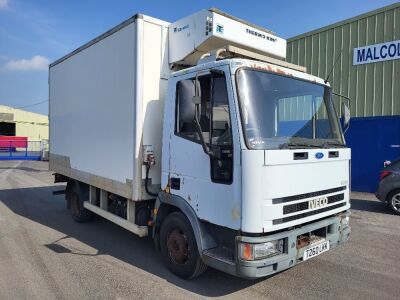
{"x": 175, "y": 183}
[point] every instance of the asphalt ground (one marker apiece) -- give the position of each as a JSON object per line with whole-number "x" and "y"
{"x": 44, "y": 254}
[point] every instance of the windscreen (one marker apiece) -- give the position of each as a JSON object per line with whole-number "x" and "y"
{"x": 281, "y": 112}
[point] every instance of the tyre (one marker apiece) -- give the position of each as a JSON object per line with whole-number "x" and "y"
{"x": 179, "y": 248}
{"x": 78, "y": 212}
{"x": 393, "y": 200}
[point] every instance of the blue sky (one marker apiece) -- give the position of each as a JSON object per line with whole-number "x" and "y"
{"x": 36, "y": 32}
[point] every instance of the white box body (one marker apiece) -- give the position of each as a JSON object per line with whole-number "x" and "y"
{"x": 106, "y": 102}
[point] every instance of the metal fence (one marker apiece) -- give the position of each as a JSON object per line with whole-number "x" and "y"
{"x": 23, "y": 150}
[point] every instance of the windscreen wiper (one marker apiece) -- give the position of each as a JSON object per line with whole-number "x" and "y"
{"x": 292, "y": 145}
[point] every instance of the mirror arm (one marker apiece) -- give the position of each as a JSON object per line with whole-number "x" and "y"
{"x": 206, "y": 149}
{"x": 196, "y": 116}
{"x": 345, "y": 97}
{"x": 200, "y": 133}
{"x": 210, "y": 151}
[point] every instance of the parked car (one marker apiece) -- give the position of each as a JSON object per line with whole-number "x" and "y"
{"x": 389, "y": 185}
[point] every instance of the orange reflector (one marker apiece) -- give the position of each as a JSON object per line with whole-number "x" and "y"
{"x": 247, "y": 252}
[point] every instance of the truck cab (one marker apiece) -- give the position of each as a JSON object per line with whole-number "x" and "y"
{"x": 256, "y": 152}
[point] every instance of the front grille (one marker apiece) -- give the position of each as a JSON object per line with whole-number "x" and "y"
{"x": 307, "y": 214}
{"x": 307, "y": 195}
{"x": 292, "y": 208}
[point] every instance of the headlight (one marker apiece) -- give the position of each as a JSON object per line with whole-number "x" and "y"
{"x": 345, "y": 221}
{"x": 263, "y": 250}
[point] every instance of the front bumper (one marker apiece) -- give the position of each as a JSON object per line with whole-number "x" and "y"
{"x": 333, "y": 229}
{"x": 335, "y": 233}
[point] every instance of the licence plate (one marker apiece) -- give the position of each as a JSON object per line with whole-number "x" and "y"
{"x": 315, "y": 250}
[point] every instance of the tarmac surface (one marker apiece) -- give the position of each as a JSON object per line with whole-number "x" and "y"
{"x": 44, "y": 254}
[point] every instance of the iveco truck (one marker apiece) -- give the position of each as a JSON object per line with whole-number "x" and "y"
{"x": 201, "y": 136}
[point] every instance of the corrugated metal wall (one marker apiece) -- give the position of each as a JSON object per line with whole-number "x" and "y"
{"x": 375, "y": 87}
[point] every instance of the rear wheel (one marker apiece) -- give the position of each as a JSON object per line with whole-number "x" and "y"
{"x": 78, "y": 212}
{"x": 393, "y": 200}
{"x": 179, "y": 248}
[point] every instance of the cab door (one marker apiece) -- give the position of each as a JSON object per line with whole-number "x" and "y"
{"x": 210, "y": 184}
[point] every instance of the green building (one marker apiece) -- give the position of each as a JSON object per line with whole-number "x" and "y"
{"x": 363, "y": 56}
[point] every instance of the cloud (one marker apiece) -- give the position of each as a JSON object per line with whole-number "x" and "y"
{"x": 3, "y": 4}
{"x": 36, "y": 63}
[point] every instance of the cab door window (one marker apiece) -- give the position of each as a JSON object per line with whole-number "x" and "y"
{"x": 214, "y": 120}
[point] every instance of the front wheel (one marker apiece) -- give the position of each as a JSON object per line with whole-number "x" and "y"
{"x": 179, "y": 248}
{"x": 393, "y": 200}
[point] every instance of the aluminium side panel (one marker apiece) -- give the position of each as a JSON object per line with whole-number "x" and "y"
{"x": 92, "y": 113}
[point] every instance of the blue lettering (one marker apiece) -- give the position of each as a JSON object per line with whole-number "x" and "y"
{"x": 369, "y": 54}
{"x": 375, "y": 56}
{"x": 392, "y": 47}
{"x": 377, "y": 52}
{"x": 360, "y": 55}
{"x": 383, "y": 55}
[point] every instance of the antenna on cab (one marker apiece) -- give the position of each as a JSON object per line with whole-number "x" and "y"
{"x": 334, "y": 64}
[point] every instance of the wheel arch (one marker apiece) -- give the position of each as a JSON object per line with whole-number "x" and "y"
{"x": 389, "y": 199}
{"x": 168, "y": 203}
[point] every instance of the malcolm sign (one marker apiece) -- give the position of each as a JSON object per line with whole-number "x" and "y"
{"x": 377, "y": 52}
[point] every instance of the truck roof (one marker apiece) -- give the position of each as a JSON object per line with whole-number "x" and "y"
{"x": 261, "y": 41}
{"x": 108, "y": 33}
{"x": 236, "y": 63}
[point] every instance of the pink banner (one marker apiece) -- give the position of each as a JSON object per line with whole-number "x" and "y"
{"x": 13, "y": 141}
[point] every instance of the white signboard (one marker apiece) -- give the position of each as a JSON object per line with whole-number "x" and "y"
{"x": 377, "y": 52}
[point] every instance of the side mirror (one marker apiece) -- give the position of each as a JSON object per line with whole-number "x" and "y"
{"x": 345, "y": 112}
{"x": 346, "y": 117}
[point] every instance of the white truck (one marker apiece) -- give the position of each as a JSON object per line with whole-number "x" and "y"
{"x": 199, "y": 135}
